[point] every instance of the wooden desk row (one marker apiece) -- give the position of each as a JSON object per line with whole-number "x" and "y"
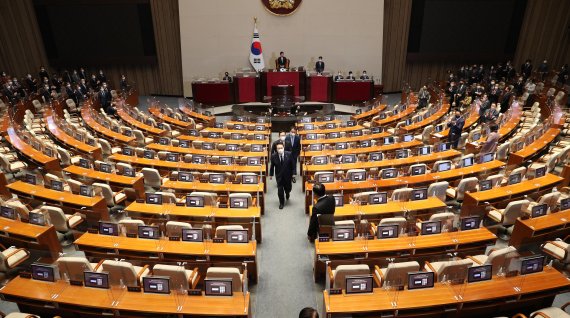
{"x": 427, "y": 121}
{"x": 30, "y": 236}
{"x": 204, "y": 138}
{"x": 541, "y": 229}
{"x": 96, "y": 127}
{"x": 208, "y": 120}
{"x": 391, "y": 120}
{"x": 177, "y": 123}
{"x": 127, "y": 118}
{"x": 213, "y": 152}
{"x": 470, "y": 121}
{"x": 328, "y": 131}
{"x": 114, "y": 180}
{"x": 535, "y": 148}
{"x": 37, "y": 297}
{"x": 367, "y": 115}
{"x": 30, "y": 153}
{"x": 377, "y": 148}
{"x": 505, "y": 131}
{"x": 377, "y": 136}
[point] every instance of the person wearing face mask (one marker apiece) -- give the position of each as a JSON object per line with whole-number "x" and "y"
{"x": 294, "y": 142}
{"x": 281, "y": 139}
{"x": 350, "y": 76}
{"x": 320, "y": 66}
{"x": 282, "y": 167}
{"x": 455, "y": 125}
{"x": 364, "y": 76}
{"x": 338, "y": 76}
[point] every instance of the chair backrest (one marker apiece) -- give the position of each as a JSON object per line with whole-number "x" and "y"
{"x": 226, "y": 272}
{"x": 139, "y": 136}
{"x": 56, "y": 217}
{"x": 402, "y": 194}
{"x": 20, "y": 208}
{"x": 73, "y": 266}
{"x": 551, "y": 199}
{"x": 74, "y": 185}
{"x": 174, "y": 228}
{"x": 426, "y": 134}
{"x": 503, "y": 151}
{"x": 242, "y": 195}
{"x": 221, "y": 230}
{"x": 341, "y": 271}
{"x": 363, "y": 196}
{"x": 130, "y": 226}
{"x": 453, "y": 270}
{"x": 438, "y": 189}
{"x": 350, "y": 172}
{"x": 64, "y": 156}
{"x": 120, "y": 270}
{"x": 466, "y": 185}
{"x": 446, "y": 219}
{"x": 105, "y": 191}
{"x": 437, "y": 163}
{"x": 210, "y": 199}
{"x": 179, "y": 276}
{"x": 462, "y": 140}
{"x": 418, "y": 165}
{"x": 500, "y": 258}
{"x": 513, "y": 211}
{"x": 5, "y": 163}
{"x": 521, "y": 170}
{"x": 398, "y": 220}
{"x": 496, "y": 179}
{"x": 167, "y": 197}
{"x": 151, "y": 177}
{"x": 397, "y": 273}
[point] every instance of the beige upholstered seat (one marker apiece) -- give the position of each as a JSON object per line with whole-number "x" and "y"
{"x": 510, "y": 213}
{"x": 174, "y": 228}
{"x": 11, "y": 257}
{"x": 400, "y": 221}
{"x": 550, "y": 199}
{"x": 167, "y": 197}
{"x": 363, "y": 196}
{"x": 396, "y": 274}
{"x": 125, "y": 271}
{"x": 228, "y": 273}
{"x": 112, "y": 198}
{"x": 210, "y": 199}
{"x": 242, "y": 195}
{"x": 465, "y": 185}
{"x": 446, "y": 219}
{"x": 141, "y": 139}
{"x": 131, "y": 226}
{"x": 438, "y": 190}
{"x": 62, "y": 222}
{"x": 338, "y": 275}
{"x": 551, "y": 312}
{"x": 497, "y": 258}
{"x": 180, "y": 278}
{"x": 11, "y": 167}
{"x": 402, "y": 194}
{"x": 449, "y": 270}
{"x": 558, "y": 249}
{"x": 151, "y": 177}
{"x": 221, "y": 230}
{"x": 74, "y": 267}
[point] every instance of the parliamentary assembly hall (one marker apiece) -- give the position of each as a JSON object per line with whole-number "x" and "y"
{"x": 284, "y": 158}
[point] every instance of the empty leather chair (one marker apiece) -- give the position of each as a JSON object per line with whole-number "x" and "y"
{"x": 221, "y": 230}
{"x": 551, "y": 312}
{"x": 449, "y": 270}
{"x": 506, "y": 217}
{"x": 141, "y": 139}
{"x": 402, "y": 194}
{"x": 130, "y": 226}
{"x": 11, "y": 257}
{"x": 167, "y": 197}
{"x": 63, "y": 223}
{"x": 396, "y": 274}
{"x": 210, "y": 199}
{"x": 465, "y": 185}
{"x": 125, "y": 272}
{"x": 74, "y": 266}
{"x": 180, "y": 278}
{"x": 338, "y": 275}
{"x": 228, "y": 273}
{"x": 112, "y": 198}
{"x": 151, "y": 177}
{"x": 11, "y": 167}
{"x": 498, "y": 258}
{"x": 438, "y": 190}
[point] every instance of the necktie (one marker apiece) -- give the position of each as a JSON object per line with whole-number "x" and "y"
{"x": 281, "y": 159}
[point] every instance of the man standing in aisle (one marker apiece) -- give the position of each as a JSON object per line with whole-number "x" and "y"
{"x": 455, "y": 126}
{"x": 294, "y": 142}
{"x": 282, "y": 167}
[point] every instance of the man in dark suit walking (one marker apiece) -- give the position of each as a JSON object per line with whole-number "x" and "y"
{"x": 294, "y": 142}
{"x": 282, "y": 167}
{"x": 325, "y": 205}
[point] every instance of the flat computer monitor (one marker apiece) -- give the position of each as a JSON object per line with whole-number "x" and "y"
{"x": 444, "y": 146}
{"x": 149, "y": 232}
{"x": 320, "y": 160}
{"x": 305, "y": 120}
{"x": 194, "y": 201}
{"x": 216, "y": 178}
{"x": 86, "y": 190}
{"x": 232, "y": 147}
{"x": 375, "y": 130}
{"x": 56, "y": 185}
{"x": 488, "y": 157}
{"x": 439, "y": 128}
{"x": 108, "y": 228}
{"x": 153, "y": 198}
{"x": 408, "y": 138}
{"x": 37, "y": 218}
{"x": 540, "y": 172}
{"x": 256, "y": 148}
{"x": 476, "y": 136}
{"x": 96, "y": 279}
{"x": 357, "y": 133}
{"x": 192, "y": 235}
{"x": 387, "y": 231}
{"x": 330, "y": 126}
{"x": 193, "y": 132}
{"x": 258, "y": 136}
{"x": 172, "y": 157}
{"x": 156, "y": 284}
{"x": 479, "y": 273}
{"x": 105, "y": 167}
{"x": 444, "y": 166}
{"x": 408, "y": 122}
{"x": 259, "y": 128}
{"x": 8, "y": 212}
{"x": 249, "y": 179}
{"x": 532, "y": 264}
{"x": 338, "y": 200}
{"x": 148, "y": 154}
{"x": 349, "y": 158}
{"x": 164, "y": 141}
{"x": 350, "y": 123}
{"x": 212, "y": 134}
{"x": 418, "y": 170}
{"x": 218, "y": 287}
{"x": 316, "y": 147}
{"x": 376, "y": 156}
{"x": 539, "y": 210}
{"x": 378, "y": 198}
{"x": 467, "y": 162}
{"x": 365, "y": 143}
{"x": 383, "y": 116}
{"x": 236, "y": 136}
{"x": 565, "y": 204}
{"x": 30, "y": 178}
{"x": 239, "y": 126}
{"x": 185, "y": 176}
{"x": 129, "y": 172}
{"x": 342, "y": 233}
{"x": 425, "y": 150}
{"x": 419, "y": 194}
{"x": 44, "y": 272}
{"x": 389, "y": 173}
{"x": 254, "y": 161}
{"x": 341, "y": 146}
{"x": 470, "y": 223}
{"x": 127, "y": 151}
{"x": 515, "y": 178}
{"x": 218, "y": 125}
{"x": 308, "y": 127}
{"x": 421, "y": 280}
{"x": 184, "y": 144}
{"x": 431, "y": 227}
{"x": 225, "y": 161}
{"x": 311, "y": 136}
{"x": 207, "y": 145}
{"x": 388, "y": 140}
{"x": 485, "y": 185}
{"x": 401, "y": 153}
{"x": 198, "y": 159}
{"x": 359, "y": 284}
{"x": 358, "y": 176}
{"x": 239, "y": 203}
{"x": 327, "y": 177}
{"x": 48, "y": 151}
{"x": 237, "y": 236}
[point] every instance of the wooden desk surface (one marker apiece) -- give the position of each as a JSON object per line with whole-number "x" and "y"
{"x": 125, "y": 116}
{"x": 432, "y": 157}
{"x": 226, "y": 141}
{"x": 156, "y": 113}
{"x": 180, "y": 165}
{"x": 70, "y": 141}
{"x": 103, "y": 176}
{"x": 172, "y": 209}
{"x": 370, "y": 113}
{"x": 405, "y": 243}
{"x": 394, "y": 118}
{"x": 237, "y": 305}
{"x": 39, "y": 191}
{"x": 22, "y": 229}
{"x": 392, "y": 207}
{"x": 236, "y": 131}
{"x": 540, "y": 229}
{"x": 31, "y": 236}
{"x": 550, "y": 220}
{"x": 381, "y": 135}
{"x": 194, "y": 151}
{"x": 401, "y": 145}
{"x": 535, "y": 147}
{"x": 247, "y": 124}
{"x": 49, "y": 163}
{"x": 97, "y": 127}
{"x": 166, "y": 246}
{"x": 319, "y": 123}
{"x": 442, "y": 295}
{"x": 428, "y": 121}
{"x": 185, "y": 109}
{"x": 327, "y": 131}
{"x": 184, "y": 186}
{"x": 412, "y": 180}
{"x": 502, "y": 193}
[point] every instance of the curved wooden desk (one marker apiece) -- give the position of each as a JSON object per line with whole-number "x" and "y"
{"x": 264, "y": 142}
{"x": 541, "y": 229}
{"x": 379, "y": 148}
{"x": 369, "y": 113}
{"x": 391, "y": 120}
{"x": 30, "y": 236}
{"x": 428, "y": 121}
{"x": 535, "y": 148}
{"x": 507, "y": 129}
{"x": 185, "y": 125}
{"x": 209, "y": 120}
{"x": 113, "y": 179}
{"x": 380, "y": 211}
{"x": 381, "y": 135}
{"x": 328, "y": 131}
{"x": 127, "y": 118}
{"x": 102, "y": 130}
{"x": 30, "y": 153}
{"x": 213, "y": 152}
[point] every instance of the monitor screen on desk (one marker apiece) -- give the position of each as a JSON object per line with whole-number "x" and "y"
{"x": 305, "y": 120}
{"x": 488, "y": 157}
{"x": 444, "y": 146}
{"x": 237, "y": 236}
{"x": 467, "y": 162}
{"x": 444, "y": 166}
{"x": 149, "y": 232}
{"x": 401, "y": 153}
{"x": 86, "y": 190}
{"x": 389, "y": 173}
{"x": 218, "y": 125}
{"x": 96, "y": 279}
{"x": 341, "y": 146}
{"x": 165, "y": 141}
{"x": 320, "y": 160}
{"x": 308, "y": 127}
{"x": 419, "y": 194}
{"x": 532, "y": 264}
{"x": 185, "y": 176}
{"x": 425, "y": 150}
{"x": 198, "y": 159}
{"x": 338, "y": 200}
{"x": 350, "y": 123}
{"x": 357, "y": 133}
{"x": 311, "y": 136}
{"x": 236, "y": 136}
{"x": 194, "y": 201}
{"x": 148, "y": 154}
{"x": 418, "y": 170}
{"x": 539, "y": 210}
{"x": 515, "y": 178}
{"x": 420, "y": 280}
{"x": 232, "y": 147}
{"x": 383, "y": 116}
{"x": 326, "y": 177}
{"x": 365, "y": 144}
{"x": 565, "y": 204}
{"x": 258, "y": 137}
{"x": 129, "y": 172}
{"x": 485, "y": 185}
{"x": 8, "y": 213}
{"x": 30, "y": 178}
{"x": 213, "y": 135}
{"x": 408, "y": 138}
{"x": 358, "y": 176}
{"x": 128, "y": 132}
{"x": 218, "y": 287}
{"x": 225, "y": 161}
{"x": 376, "y": 156}
{"x": 127, "y": 151}
{"x": 349, "y": 158}
{"x": 378, "y": 198}
{"x": 44, "y": 272}
{"x": 408, "y": 122}
{"x": 259, "y": 128}
{"x": 105, "y": 167}
{"x": 375, "y": 130}
{"x": 431, "y": 227}
{"x": 470, "y": 223}
{"x": 316, "y": 147}
{"x": 239, "y": 203}
{"x": 256, "y": 148}
{"x": 56, "y": 185}
{"x": 37, "y": 218}
{"x": 359, "y": 284}
{"x": 156, "y": 284}
{"x": 342, "y": 233}
{"x": 192, "y": 132}
{"x": 388, "y": 231}
{"x": 479, "y": 273}
{"x": 154, "y": 198}
{"x": 330, "y": 126}
{"x": 388, "y": 140}
{"x": 184, "y": 144}
{"x": 239, "y": 126}
{"x": 207, "y": 145}
{"x": 216, "y": 178}
{"x": 253, "y": 161}
{"x": 540, "y": 172}
{"x": 172, "y": 157}
{"x": 108, "y": 228}
{"x": 192, "y": 235}
{"x": 249, "y": 179}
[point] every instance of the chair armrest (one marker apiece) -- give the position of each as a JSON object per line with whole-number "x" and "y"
{"x": 76, "y": 214}
{"x": 474, "y": 259}
{"x": 17, "y": 250}
{"x": 243, "y": 277}
{"x": 331, "y": 276}
{"x": 98, "y": 264}
{"x": 377, "y": 269}
{"x": 519, "y": 316}
{"x": 491, "y": 250}
{"x": 139, "y": 274}
{"x": 377, "y": 280}
{"x": 428, "y": 264}
{"x": 565, "y": 305}
{"x": 539, "y": 313}
{"x": 196, "y": 274}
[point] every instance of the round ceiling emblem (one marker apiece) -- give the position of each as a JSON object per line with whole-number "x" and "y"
{"x": 281, "y": 7}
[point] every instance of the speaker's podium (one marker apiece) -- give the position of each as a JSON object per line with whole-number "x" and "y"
{"x": 294, "y": 77}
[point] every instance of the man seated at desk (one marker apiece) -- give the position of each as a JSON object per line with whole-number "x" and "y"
{"x": 364, "y": 76}
{"x": 282, "y": 63}
{"x": 325, "y": 205}
{"x": 227, "y": 77}
{"x": 338, "y": 76}
{"x": 350, "y": 77}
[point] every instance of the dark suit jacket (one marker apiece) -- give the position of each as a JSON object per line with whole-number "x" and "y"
{"x": 104, "y": 98}
{"x": 320, "y": 66}
{"x": 282, "y": 171}
{"x": 282, "y": 62}
{"x": 295, "y": 145}
{"x": 325, "y": 205}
